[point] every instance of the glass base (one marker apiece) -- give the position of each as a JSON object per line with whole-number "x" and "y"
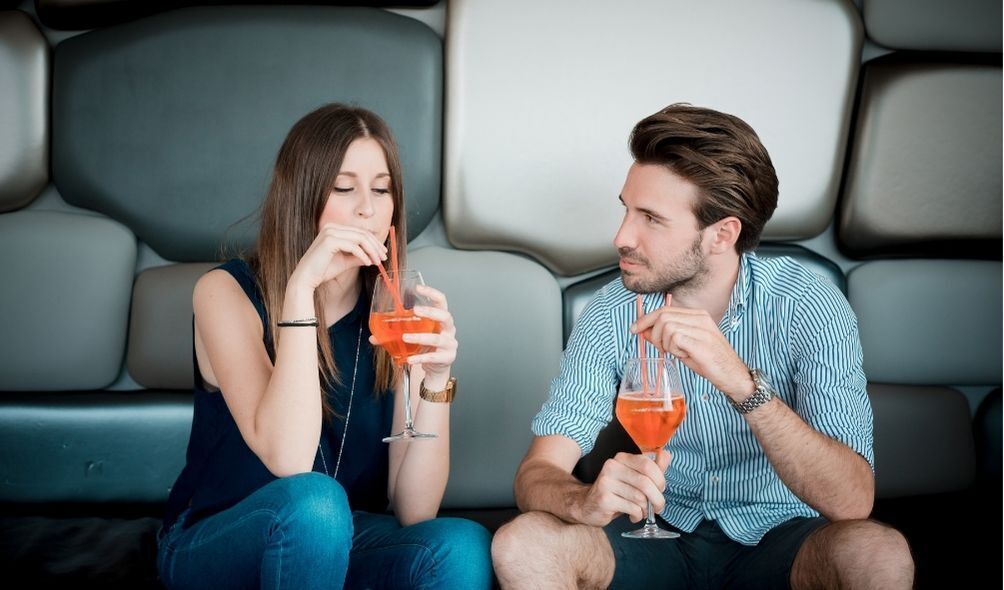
{"x": 408, "y": 435}
{"x": 650, "y": 531}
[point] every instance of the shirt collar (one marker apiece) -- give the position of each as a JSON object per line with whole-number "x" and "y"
{"x": 740, "y": 294}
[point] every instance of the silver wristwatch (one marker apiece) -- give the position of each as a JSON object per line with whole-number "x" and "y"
{"x": 761, "y": 395}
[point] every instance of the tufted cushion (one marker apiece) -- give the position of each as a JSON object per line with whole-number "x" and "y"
{"x": 89, "y": 14}
{"x": 160, "y": 326}
{"x": 64, "y": 300}
{"x": 536, "y": 153}
{"x": 937, "y": 25}
{"x": 923, "y": 440}
{"x": 508, "y": 315}
{"x": 924, "y": 172}
{"x": 24, "y": 94}
{"x": 171, "y": 124}
{"x": 929, "y": 321}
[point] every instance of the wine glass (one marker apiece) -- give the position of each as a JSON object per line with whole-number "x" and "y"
{"x": 392, "y": 316}
{"x": 650, "y": 406}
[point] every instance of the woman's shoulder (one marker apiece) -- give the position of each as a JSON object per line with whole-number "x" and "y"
{"x": 227, "y": 284}
{"x": 223, "y": 279}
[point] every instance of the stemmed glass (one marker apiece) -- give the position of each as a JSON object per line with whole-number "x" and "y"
{"x": 650, "y": 406}
{"x": 392, "y": 316}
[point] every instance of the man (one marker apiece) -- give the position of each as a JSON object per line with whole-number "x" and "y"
{"x": 771, "y": 481}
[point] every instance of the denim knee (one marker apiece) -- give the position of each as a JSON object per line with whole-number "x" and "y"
{"x": 461, "y": 550}
{"x": 315, "y": 509}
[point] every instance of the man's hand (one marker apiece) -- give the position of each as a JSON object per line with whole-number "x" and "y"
{"x": 624, "y": 485}
{"x": 694, "y": 338}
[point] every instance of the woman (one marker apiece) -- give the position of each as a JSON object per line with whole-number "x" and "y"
{"x": 287, "y": 480}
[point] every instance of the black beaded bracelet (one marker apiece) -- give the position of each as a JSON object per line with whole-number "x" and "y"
{"x": 307, "y": 322}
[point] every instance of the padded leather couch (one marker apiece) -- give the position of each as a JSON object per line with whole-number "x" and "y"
{"x": 136, "y": 139}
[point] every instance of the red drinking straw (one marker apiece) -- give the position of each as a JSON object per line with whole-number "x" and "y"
{"x": 393, "y": 258}
{"x": 394, "y": 286}
{"x": 391, "y": 286}
{"x": 640, "y": 311}
{"x": 665, "y": 357}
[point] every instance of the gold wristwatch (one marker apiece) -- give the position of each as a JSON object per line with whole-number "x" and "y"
{"x": 440, "y": 397}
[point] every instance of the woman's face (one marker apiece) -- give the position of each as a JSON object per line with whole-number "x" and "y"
{"x": 362, "y": 197}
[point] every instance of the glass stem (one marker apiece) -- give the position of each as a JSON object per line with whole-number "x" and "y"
{"x": 650, "y": 519}
{"x": 406, "y": 377}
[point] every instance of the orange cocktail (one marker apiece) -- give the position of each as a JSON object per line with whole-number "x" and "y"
{"x": 650, "y": 420}
{"x": 388, "y": 327}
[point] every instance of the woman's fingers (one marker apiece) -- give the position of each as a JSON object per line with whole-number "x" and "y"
{"x": 437, "y": 297}
{"x": 434, "y": 313}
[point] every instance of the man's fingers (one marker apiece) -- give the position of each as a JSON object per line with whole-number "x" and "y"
{"x": 663, "y": 459}
{"x": 642, "y": 474}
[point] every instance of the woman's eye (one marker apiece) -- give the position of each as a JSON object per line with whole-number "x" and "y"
{"x": 382, "y": 191}
{"x": 343, "y": 190}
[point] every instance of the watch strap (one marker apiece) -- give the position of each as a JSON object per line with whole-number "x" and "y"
{"x": 440, "y": 397}
{"x": 762, "y": 393}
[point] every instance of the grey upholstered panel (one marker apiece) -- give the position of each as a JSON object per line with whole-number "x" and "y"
{"x": 536, "y": 152}
{"x": 508, "y": 315}
{"x": 934, "y": 25}
{"x": 64, "y": 300}
{"x": 90, "y": 14}
{"x": 923, "y": 440}
{"x": 171, "y": 124}
{"x": 987, "y": 434}
{"x": 576, "y": 296}
{"x": 926, "y": 161}
{"x": 929, "y": 321}
{"x": 160, "y": 326}
{"x": 85, "y": 447}
{"x": 24, "y": 121}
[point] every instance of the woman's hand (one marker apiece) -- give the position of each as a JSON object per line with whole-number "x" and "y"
{"x": 337, "y": 248}
{"x": 435, "y": 363}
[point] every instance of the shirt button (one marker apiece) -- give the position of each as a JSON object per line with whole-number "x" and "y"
{"x": 705, "y": 397}
{"x": 714, "y": 479}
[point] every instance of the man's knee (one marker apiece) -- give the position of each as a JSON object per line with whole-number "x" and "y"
{"x": 864, "y": 542}
{"x": 854, "y": 548}
{"x": 526, "y": 537}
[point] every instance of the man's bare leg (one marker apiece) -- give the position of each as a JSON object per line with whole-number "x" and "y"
{"x": 538, "y": 550}
{"x": 853, "y": 554}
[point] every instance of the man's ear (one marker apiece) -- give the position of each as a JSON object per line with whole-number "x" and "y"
{"x": 724, "y": 234}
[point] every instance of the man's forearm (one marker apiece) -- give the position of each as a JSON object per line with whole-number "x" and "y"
{"x": 544, "y": 487}
{"x": 827, "y": 475}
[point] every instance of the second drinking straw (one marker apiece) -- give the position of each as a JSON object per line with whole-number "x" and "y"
{"x": 640, "y": 311}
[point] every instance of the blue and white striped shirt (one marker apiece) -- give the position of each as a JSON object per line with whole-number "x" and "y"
{"x": 783, "y": 319}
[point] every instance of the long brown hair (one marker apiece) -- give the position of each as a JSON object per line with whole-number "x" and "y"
{"x": 719, "y": 153}
{"x": 304, "y": 176}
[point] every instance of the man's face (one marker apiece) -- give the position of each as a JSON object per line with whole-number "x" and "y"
{"x": 661, "y": 248}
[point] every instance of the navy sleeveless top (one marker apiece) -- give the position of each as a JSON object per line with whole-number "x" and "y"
{"x": 221, "y": 470}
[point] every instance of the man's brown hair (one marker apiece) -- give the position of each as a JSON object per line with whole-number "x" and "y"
{"x": 720, "y": 154}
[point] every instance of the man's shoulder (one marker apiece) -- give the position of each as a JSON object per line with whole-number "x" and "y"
{"x": 614, "y": 294}
{"x": 786, "y": 277}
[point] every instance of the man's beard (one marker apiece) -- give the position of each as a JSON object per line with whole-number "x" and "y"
{"x": 688, "y": 273}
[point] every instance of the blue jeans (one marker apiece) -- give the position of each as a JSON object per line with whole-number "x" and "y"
{"x": 298, "y": 532}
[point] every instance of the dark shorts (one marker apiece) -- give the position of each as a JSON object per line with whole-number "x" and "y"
{"x": 706, "y": 558}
